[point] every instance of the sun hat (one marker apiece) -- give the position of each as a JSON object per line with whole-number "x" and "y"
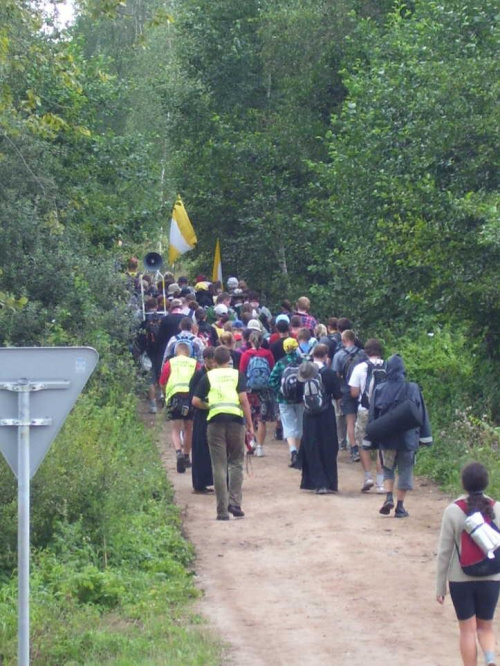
{"x": 283, "y": 317}
{"x": 232, "y": 283}
{"x": 306, "y": 371}
{"x": 221, "y": 309}
{"x": 173, "y": 288}
{"x": 290, "y": 345}
{"x": 255, "y": 325}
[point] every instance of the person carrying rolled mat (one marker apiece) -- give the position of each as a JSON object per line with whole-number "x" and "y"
{"x": 474, "y": 598}
{"x": 398, "y": 446}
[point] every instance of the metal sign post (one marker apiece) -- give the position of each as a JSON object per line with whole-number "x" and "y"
{"x": 76, "y": 365}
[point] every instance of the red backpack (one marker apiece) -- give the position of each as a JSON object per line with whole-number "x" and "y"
{"x": 473, "y": 560}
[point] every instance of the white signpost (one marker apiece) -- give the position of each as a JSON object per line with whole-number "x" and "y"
{"x": 38, "y": 388}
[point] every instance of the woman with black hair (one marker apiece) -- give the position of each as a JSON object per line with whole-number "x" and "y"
{"x": 474, "y": 598}
{"x": 201, "y": 469}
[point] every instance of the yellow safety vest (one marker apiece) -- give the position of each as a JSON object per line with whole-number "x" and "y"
{"x": 182, "y": 368}
{"x": 223, "y": 395}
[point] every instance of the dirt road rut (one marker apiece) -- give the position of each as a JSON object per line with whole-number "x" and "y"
{"x": 320, "y": 580}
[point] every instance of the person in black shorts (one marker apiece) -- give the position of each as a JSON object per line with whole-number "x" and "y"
{"x": 474, "y": 598}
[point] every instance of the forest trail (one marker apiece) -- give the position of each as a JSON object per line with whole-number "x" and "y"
{"x": 320, "y": 580}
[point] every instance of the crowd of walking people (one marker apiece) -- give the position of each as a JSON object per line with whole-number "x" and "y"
{"x": 221, "y": 357}
{"x": 226, "y": 370}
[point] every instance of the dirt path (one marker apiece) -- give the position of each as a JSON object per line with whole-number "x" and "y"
{"x": 321, "y": 580}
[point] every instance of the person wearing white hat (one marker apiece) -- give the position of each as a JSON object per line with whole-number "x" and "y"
{"x": 255, "y": 325}
{"x": 232, "y": 284}
{"x": 221, "y": 312}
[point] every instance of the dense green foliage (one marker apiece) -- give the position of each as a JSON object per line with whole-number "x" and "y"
{"x": 109, "y": 577}
{"x": 111, "y": 570}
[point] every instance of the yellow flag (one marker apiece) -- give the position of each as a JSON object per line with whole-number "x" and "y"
{"x": 182, "y": 235}
{"x": 217, "y": 272}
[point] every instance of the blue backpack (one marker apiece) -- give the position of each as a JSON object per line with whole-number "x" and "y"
{"x": 258, "y": 373}
{"x": 185, "y": 341}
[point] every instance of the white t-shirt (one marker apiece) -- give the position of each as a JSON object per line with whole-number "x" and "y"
{"x": 359, "y": 375}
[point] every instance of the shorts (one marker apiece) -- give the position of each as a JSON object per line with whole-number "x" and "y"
{"x": 360, "y": 428}
{"x": 179, "y": 408}
{"x": 348, "y": 404}
{"x": 292, "y": 418}
{"x": 262, "y": 405}
{"x": 404, "y": 461}
{"x": 477, "y": 598}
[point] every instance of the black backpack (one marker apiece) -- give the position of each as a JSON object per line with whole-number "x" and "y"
{"x": 335, "y": 344}
{"x": 152, "y": 331}
{"x": 375, "y": 375}
{"x": 351, "y": 359}
{"x": 291, "y": 388}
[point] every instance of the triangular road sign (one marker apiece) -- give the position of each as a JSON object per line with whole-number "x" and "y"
{"x": 56, "y": 377}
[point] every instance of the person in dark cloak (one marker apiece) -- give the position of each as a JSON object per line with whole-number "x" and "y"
{"x": 201, "y": 469}
{"x": 319, "y": 447}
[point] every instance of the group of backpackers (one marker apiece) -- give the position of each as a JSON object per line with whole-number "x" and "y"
{"x": 222, "y": 358}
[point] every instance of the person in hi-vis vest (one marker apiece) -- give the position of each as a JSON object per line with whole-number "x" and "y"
{"x": 175, "y": 377}
{"x": 223, "y": 392}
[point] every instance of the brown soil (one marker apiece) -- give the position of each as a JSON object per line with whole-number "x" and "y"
{"x": 308, "y": 579}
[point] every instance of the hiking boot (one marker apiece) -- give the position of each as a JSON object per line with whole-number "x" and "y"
{"x": 235, "y": 510}
{"x": 259, "y": 451}
{"x": 387, "y": 507}
{"x": 355, "y": 454}
{"x": 278, "y": 434}
{"x": 401, "y": 512}
{"x": 367, "y": 485}
{"x": 222, "y": 517}
{"x": 152, "y": 407}
{"x": 181, "y": 462}
{"x": 293, "y": 459}
{"x": 188, "y": 461}
{"x": 321, "y": 491}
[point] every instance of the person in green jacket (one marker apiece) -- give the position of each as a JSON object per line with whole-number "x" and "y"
{"x": 283, "y": 377}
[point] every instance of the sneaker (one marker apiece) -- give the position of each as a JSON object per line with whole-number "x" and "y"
{"x": 235, "y": 510}
{"x": 259, "y": 451}
{"x": 181, "y": 463}
{"x": 203, "y": 491}
{"x": 293, "y": 459}
{"x": 321, "y": 491}
{"x": 380, "y": 490}
{"x": 222, "y": 517}
{"x": 367, "y": 485}
{"x": 188, "y": 461}
{"x": 401, "y": 512}
{"x": 387, "y": 507}
{"x": 152, "y": 407}
{"x": 355, "y": 454}
{"x": 278, "y": 434}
